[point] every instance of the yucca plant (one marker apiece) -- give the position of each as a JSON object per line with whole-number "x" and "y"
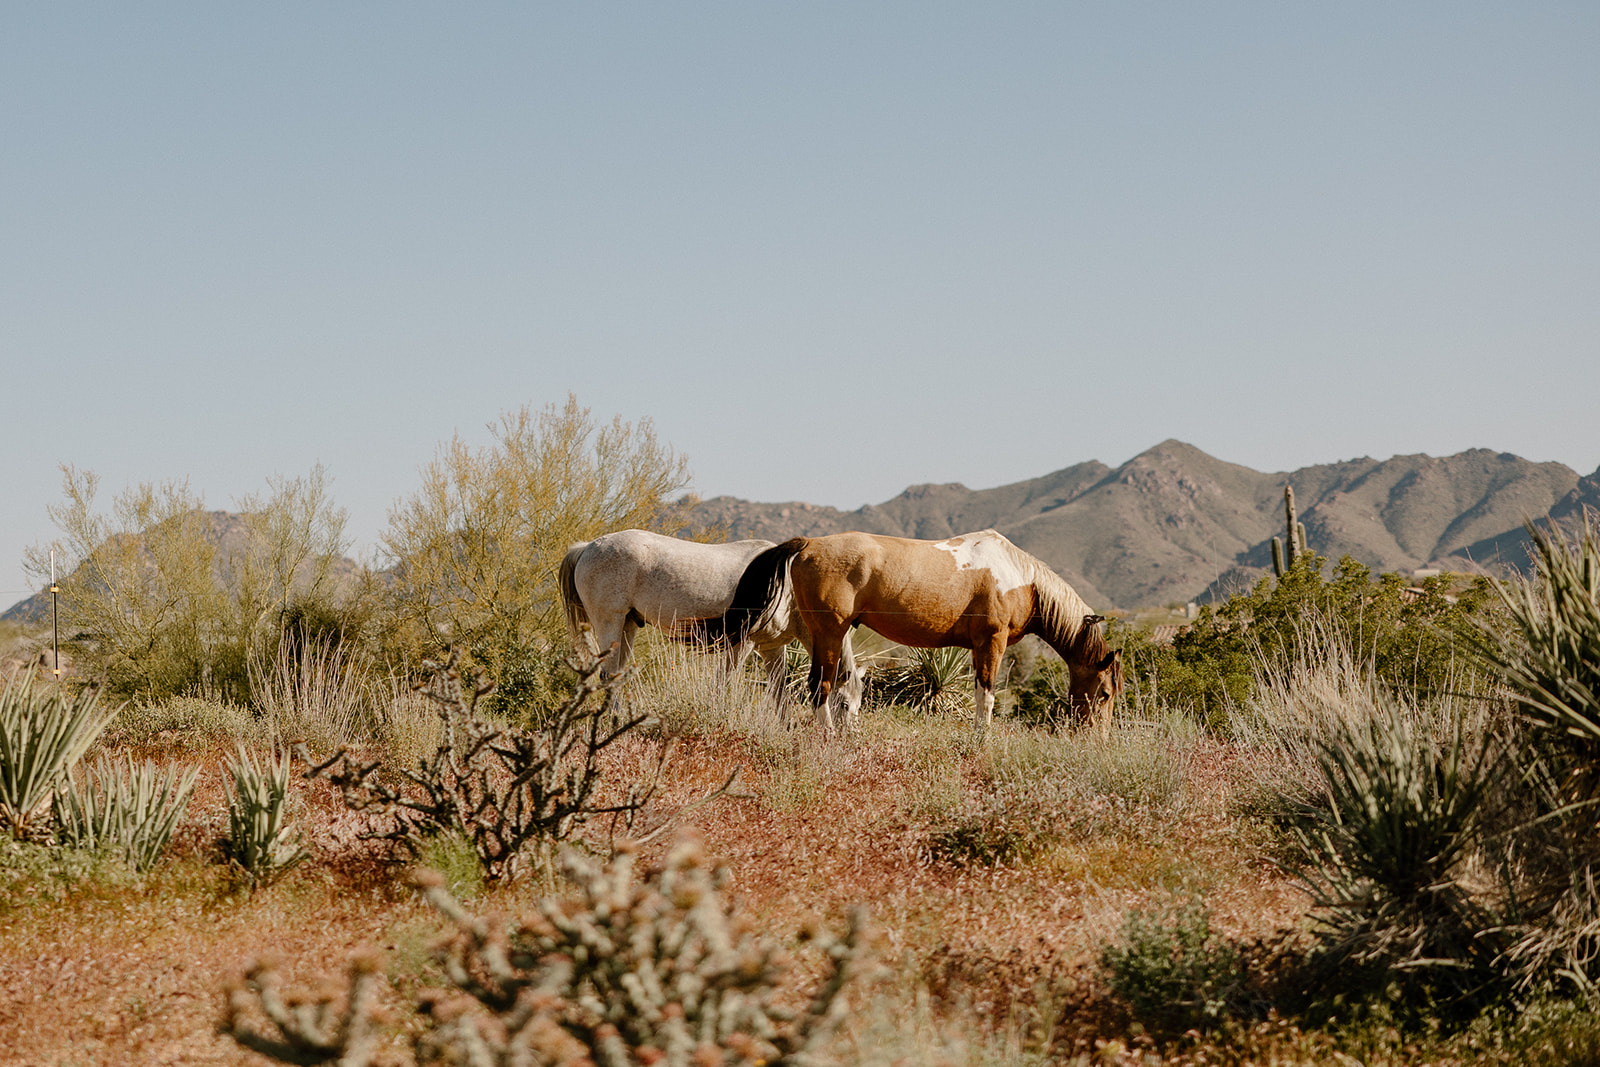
{"x": 1384, "y": 843}
{"x": 1545, "y": 648}
{"x": 43, "y": 732}
{"x": 1549, "y": 655}
{"x": 126, "y": 809}
{"x": 933, "y": 679}
{"x": 262, "y": 840}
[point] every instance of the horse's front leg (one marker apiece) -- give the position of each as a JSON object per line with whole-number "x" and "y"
{"x": 986, "y": 659}
{"x": 619, "y": 640}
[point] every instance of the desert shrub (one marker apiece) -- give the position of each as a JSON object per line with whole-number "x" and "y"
{"x": 624, "y": 973}
{"x": 262, "y": 840}
{"x": 513, "y": 792}
{"x": 128, "y": 810}
{"x": 171, "y": 597}
{"x": 1414, "y": 641}
{"x": 43, "y": 732}
{"x": 1008, "y": 824}
{"x": 1172, "y": 970}
{"x": 184, "y": 722}
{"x": 531, "y": 682}
{"x": 476, "y": 548}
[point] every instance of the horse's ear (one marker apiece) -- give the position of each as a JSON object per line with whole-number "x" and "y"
{"x": 1110, "y": 661}
{"x": 1092, "y": 620}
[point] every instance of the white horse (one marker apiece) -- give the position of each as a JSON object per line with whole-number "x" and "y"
{"x": 624, "y": 580}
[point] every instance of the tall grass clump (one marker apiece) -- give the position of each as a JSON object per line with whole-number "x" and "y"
{"x": 687, "y": 691}
{"x": 321, "y": 692}
{"x": 128, "y": 810}
{"x": 1039, "y": 789}
{"x": 43, "y": 732}
{"x": 1547, "y": 654}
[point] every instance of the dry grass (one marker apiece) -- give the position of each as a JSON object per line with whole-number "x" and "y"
{"x": 982, "y": 964}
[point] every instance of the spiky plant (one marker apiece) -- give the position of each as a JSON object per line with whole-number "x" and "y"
{"x": 128, "y": 809}
{"x": 262, "y": 840}
{"x": 1546, "y": 650}
{"x": 1384, "y": 844}
{"x": 43, "y": 732}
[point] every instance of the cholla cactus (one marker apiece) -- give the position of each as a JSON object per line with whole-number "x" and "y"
{"x": 323, "y": 1028}
{"x": 509, "y": 791}
{"x": 626, "y": 974}
{"x": 633, "y": 974}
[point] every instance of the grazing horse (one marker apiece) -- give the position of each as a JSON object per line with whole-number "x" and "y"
{"x": 624, "y": 580}
{"x": 976, "y": 591}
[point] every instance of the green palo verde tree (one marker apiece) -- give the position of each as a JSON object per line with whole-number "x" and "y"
{"x": 477, "y": 547}
{"x": 166, "y": 595}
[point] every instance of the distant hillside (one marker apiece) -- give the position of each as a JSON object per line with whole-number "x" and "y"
{"x": 228, "y": 531}
{"x": 1175, "y": 524}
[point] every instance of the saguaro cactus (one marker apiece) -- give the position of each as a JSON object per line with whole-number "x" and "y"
{"x": 1296, "y": 531}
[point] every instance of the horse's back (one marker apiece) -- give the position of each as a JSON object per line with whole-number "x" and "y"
{"x": 916, "y": 592}
{"x": 662, "y": 579}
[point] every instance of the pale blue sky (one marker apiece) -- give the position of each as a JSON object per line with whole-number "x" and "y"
{"x": 830, "y": 249}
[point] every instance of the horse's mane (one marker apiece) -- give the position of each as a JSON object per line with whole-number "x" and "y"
{"x": 1060, "y": 609}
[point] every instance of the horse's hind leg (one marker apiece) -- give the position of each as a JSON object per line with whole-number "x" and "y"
{"x": 777, "y": 664}
{"x": 618, "y": 638}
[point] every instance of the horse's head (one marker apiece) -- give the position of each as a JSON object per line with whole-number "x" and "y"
{"x": 1096, "y": 680}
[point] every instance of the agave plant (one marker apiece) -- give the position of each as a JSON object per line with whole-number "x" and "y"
{"x": 262, "y": 841}
{"x": 43, "y": 732}
{"x": 128, "y": 809}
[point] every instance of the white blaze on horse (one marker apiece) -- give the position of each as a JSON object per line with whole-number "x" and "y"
{"x": 621, "y": 581}
{"x": 976, "y": 591}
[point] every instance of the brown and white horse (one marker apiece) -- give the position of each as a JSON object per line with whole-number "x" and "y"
{"x": 976, "y": 591}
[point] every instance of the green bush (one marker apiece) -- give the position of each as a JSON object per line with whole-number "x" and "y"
{"x": 1174, "y": 973}
{"x": 1414, "y": 641}
{"x": 1005, "y": 826}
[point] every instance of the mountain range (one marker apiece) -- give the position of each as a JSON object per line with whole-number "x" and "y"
{"x": 1174, "y": 524}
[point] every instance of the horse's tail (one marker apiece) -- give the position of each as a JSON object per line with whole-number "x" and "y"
{"x": 762, "y": 593}
{"x": 566, "y": 578}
